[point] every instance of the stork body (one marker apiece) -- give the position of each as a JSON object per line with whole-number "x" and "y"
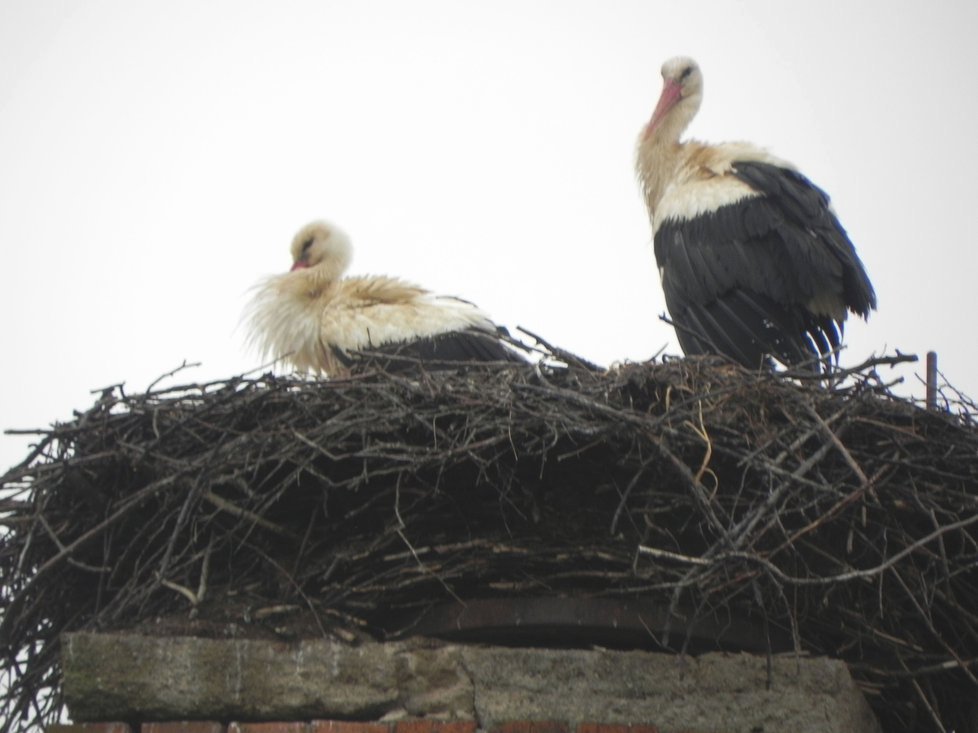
{"x": 753, "y": 261}
{"x": 319, "y": 321}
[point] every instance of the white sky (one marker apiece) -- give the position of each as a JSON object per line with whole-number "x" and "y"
{"x": 156, "y": 158}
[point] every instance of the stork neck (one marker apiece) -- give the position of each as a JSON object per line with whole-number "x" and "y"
{"x": 657, "y": 161}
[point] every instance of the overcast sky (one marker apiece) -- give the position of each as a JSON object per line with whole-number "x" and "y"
{"x": 156, "y": 159}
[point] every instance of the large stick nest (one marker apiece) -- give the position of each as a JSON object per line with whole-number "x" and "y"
{"x": 844, "y": 519}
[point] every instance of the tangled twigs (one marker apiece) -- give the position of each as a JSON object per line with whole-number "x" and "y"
{"x": 844, "y": 515}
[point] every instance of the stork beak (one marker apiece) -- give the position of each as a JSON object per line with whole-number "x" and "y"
{"x": 299, "y": 265}
{"x": 672, "y": 92}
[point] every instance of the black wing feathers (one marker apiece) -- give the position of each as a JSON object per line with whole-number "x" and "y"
{"x": 742, "y": 280}
{"x": 806, "y": 208}
{"x": 749, "y": 329}
{"x": 443, "y": 351}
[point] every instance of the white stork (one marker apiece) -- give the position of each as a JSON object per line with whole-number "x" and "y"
{"x": 318, "y": 320}
{"x": 754, "y": 263}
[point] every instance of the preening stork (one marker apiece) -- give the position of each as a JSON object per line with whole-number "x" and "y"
{"x": 753, "y": 261}
{"x": 318, "y": 320}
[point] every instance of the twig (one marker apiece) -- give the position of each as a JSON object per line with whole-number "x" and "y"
{"x": 231, "y": 508}
{"x": 847, "y": 456}
{"x": 185, "y": 592}
{"x": 183, "y": 365}
{"x": 824, "y": 580}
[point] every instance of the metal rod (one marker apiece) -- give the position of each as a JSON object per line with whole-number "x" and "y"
{"x": 931, "y": 380}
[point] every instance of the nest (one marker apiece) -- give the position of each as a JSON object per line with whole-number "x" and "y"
{"x": 842, "y": 519}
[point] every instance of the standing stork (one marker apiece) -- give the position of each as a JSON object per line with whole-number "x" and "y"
{"x": 753, "y": 261}
{"x": 318, "y": 320}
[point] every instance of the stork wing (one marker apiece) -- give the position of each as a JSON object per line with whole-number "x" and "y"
{"x": 750, "y": 328}
{"x": 772, "y": 273}
{"x": 442, "y": 351}
{"x": 806, "y": 209}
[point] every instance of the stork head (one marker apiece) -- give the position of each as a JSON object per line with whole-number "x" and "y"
{"x": 323, "y": 245}
{"x": 682, "y": 92}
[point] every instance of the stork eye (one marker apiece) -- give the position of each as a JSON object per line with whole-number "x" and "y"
{"x": 686, "y": 72}
{"x": 306, "y": 245}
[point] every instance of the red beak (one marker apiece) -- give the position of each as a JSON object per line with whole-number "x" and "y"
{"x": 299, "y": 265}
{"x": 672, "y": 92}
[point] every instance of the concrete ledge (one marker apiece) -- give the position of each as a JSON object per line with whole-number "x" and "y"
{"x": 137, "y": 678}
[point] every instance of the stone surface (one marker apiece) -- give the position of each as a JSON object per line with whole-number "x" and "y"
{"x": 728, "y": 692}
{"x": 155, "y": 678}
{"x": 131, "y": 677}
